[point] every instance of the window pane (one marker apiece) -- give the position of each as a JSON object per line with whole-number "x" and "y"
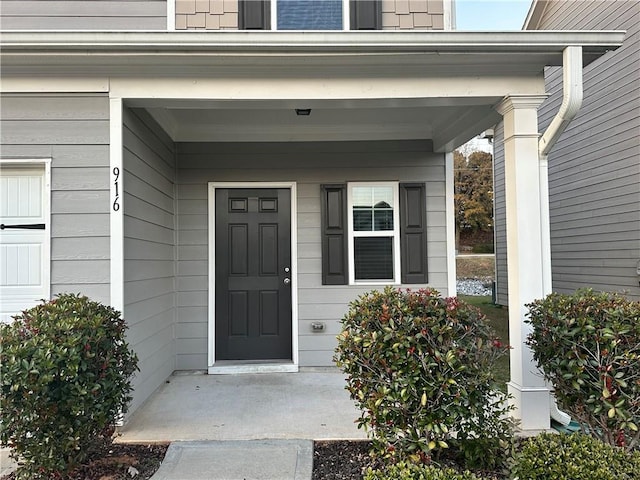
{"x": 383, "y": 219}
{"x": 362, "y": 197}
{"x": 373, "y": 258}
{"x": 362, "y": 219}
{"x": 382, "y": 195}
{"x": 309, "y": 14}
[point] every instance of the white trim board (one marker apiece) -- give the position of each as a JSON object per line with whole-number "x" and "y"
{"x": 244, "y": 367}
{"x": 116, "y": 204}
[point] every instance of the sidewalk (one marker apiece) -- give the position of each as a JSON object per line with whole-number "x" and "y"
{"x": 238, "y": 460}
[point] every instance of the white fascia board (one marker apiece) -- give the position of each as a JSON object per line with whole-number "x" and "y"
{"x": 323, "y": 42}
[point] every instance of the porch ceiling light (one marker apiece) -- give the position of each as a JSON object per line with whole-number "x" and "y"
{"x": 303, "y": 112}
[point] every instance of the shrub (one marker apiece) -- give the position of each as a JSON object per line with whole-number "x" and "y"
{"x": 418, "y": 366}
{"x": 588, "y": 344}
{"x": 65, "y": 370}
{"x": 483, "y": 248}
{"x": 573, "y": 457}
{"x": 404, "y": 471}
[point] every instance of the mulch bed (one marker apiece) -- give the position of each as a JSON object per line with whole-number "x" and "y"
{"x": 349, "y": 460}
{"x": 119, "y": 462}
{"x": 332, "y": 460}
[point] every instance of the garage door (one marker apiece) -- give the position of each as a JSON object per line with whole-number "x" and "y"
{"x": 24, "y": 238}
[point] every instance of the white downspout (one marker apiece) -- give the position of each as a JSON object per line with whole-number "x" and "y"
{"x": 572, "y": 95}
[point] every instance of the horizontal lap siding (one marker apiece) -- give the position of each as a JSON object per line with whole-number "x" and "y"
{"x": 72, "y": 130}
{"x": 308, "y": 164}
{"x": 500, "y": 218}
{"x": 594, "y": 169}
{"x": 149, "y": 249}
{"x": 83, "y": 15}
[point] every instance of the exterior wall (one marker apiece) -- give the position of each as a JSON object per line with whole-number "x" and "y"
{"x": 223, "y": 14}
{"x": 594, "y": 169}
{"x": 83, "y": 15}
{"x": 309, "y": 164}
{"x": 412, "y": 14}
{"x": 72, "y": 130}
{"x": 149, "y": 249}
{"x": 500, "y": 217}
{"x": 206, "y": 14}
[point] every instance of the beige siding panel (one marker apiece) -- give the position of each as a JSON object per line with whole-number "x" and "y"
{"x": 83, "y": 15}
{"x": 277, "y": 162}
{"x": 149, "y": 249}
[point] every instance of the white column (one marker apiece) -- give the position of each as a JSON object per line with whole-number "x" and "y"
{"x": 525, "y": 257}
{"x": 116, "y": 204}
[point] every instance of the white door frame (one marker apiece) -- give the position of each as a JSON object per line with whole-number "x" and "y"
{"x": 252, "y": 367}
{"x": 44, "y": 164}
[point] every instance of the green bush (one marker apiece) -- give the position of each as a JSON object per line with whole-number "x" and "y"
{"x": 65, "y": 373}
{"x": 404, "y": 471}
{"x": 588, "y": 344}
{"x": 419, "y": 366}
{"x": 573, "y": 457}
{"x": 483, "y": 248}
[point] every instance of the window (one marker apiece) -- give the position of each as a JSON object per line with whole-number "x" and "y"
{"x": 373, "y": 233}
{"x": 310, "y": 14}
{"x": 374, "y": 246}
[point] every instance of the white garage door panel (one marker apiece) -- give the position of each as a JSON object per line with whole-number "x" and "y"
{"x": 24, "y": 256}
{"x": 23, "y": 264}
{"x": 21, "y": 197}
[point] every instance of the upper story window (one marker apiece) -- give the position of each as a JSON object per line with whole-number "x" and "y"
{"x": 310, "y": 14}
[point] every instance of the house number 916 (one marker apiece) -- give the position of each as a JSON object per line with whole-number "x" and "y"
{"x": 116, "y": 180}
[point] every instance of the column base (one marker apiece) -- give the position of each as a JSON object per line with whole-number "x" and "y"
{"x": 531, "y": 407}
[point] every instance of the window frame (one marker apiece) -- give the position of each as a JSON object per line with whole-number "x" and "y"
{"x": 393, "y": 234}
{"x": 346, "y": 17}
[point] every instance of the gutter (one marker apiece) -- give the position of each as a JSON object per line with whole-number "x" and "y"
{"x": 572, "y": 95}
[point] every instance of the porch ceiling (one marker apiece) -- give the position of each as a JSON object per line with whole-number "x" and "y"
{"x": 329, "y": 120}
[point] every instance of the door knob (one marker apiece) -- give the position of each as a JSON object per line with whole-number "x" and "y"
{"x": 287, "y": 281}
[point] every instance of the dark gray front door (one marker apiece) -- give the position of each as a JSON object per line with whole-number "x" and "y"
{"x": 253, "y": 274}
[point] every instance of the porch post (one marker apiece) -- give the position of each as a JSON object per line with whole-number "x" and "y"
{"x": 525, "y": 255}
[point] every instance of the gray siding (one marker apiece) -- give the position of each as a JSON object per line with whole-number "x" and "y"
{"x": 308, "y": 164}
{"x": 72, "y": 130}
{"x": 83, "y": 15}
{"x": 149, "y": 249}
{"x": 594, "y": 169}
{"x": 500, "y": 217}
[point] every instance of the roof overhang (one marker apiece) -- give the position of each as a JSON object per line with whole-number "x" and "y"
{"x": 440, "y": 85}
{"x": 437, "y": 49}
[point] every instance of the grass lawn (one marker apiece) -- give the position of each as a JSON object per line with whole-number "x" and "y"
{"x": 470, "y": 266}
{"x": 498, "y": 317}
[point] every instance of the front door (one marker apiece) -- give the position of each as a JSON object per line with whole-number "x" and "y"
{"x": 24, "y": 239}
{"x": 253, "y": 274}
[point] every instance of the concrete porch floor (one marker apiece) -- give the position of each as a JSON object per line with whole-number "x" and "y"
{"x": 310, "y": 404}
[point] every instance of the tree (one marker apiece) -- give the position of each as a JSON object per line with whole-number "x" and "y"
{"x": 473, "y": 183}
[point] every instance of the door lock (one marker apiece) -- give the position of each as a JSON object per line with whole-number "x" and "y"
{"x": 287, "y": 281}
